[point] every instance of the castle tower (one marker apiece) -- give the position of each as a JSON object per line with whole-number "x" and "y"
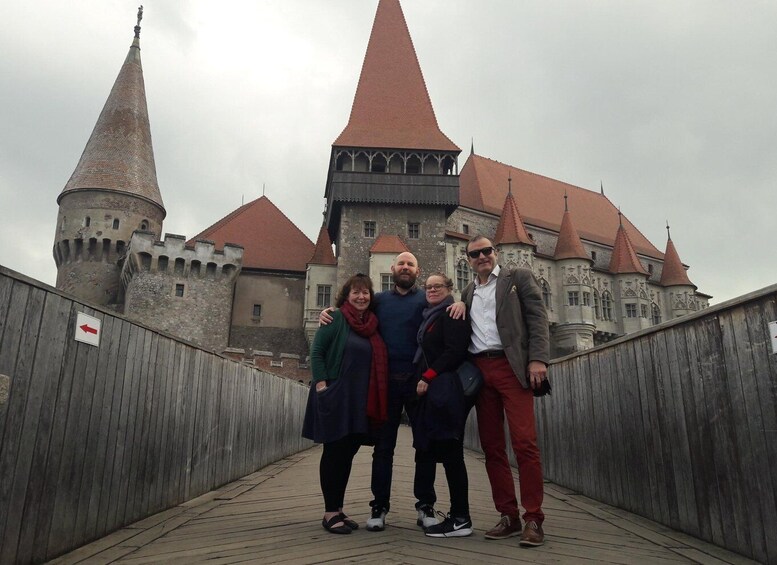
{"x": 680, "y": 291}
{"x": 112, "y": 192}
{"x": 320, "y": 282}
{"x": 392, "y": 171}
{"x": 576, "y": 331}
{"x": 516, "y": 247}
{"x": 629, "y": 284}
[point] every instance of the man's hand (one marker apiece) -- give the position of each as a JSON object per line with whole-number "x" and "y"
{"x": 421, "y": 388}
{"x": 457, "y": 310}
{"x": 325, "y": 317}
{"x": 538, "y": 372}
{"x": 320, "y": 385}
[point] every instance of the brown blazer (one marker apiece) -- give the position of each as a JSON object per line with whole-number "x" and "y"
{"x": 521, "y": 319}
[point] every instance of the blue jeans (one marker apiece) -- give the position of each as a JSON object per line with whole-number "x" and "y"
{"x": 401, "y": 394}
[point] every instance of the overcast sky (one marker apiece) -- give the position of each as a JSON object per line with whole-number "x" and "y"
{"x": 670, "y": 104}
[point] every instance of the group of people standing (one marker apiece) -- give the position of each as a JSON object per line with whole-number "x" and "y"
{"x": 378, "y": 354}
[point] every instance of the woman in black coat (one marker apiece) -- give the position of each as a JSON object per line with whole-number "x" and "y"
{"x": 442, "y": 410}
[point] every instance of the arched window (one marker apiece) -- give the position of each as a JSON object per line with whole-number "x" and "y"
{"x": 144, "y": 225}
{"x": 597, "y": 305}
{"x": 462, "y": 275}
{"x": 87, "y": 222}
{"x": 655, "y": 314}
{"x": 606, "y": 305}
{"x": 116, "y": 223}
{"x": 546, "y": 295}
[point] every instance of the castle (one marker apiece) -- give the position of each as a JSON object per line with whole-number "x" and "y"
{"x": 393, "y": 184}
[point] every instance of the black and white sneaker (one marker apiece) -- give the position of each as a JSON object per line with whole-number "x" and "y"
{"x": 377, "y": 522}
{"x": 426, "y": 517}
{"x": 451, "y": 528}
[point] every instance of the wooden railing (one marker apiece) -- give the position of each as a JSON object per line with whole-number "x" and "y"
{"x": 677, "y": 423}
{"x": 94, "y": 438}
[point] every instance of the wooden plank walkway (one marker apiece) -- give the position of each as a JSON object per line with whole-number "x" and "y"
{"x": 274, "y": 516}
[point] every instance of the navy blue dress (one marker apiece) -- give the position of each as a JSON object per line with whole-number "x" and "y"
{"x": 341, "y": 409}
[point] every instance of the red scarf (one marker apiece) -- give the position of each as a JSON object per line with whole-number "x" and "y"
{"x": 377, "y": 395}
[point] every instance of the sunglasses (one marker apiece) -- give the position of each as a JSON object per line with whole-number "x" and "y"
{"x": 435, "y": 286}
{"x": 486, "y": 251}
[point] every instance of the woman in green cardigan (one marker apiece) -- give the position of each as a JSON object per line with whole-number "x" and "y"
{"x": 347, "y": 400}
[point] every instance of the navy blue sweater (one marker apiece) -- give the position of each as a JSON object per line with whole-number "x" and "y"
{"x": 399, "y": 316}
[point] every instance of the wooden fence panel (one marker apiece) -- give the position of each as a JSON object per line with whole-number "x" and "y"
{"x": 685, "y": 416}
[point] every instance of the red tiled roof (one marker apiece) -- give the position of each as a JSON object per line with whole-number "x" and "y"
{"x": 391, "y": 108}
{"x": 624, "y": 259}
{"x": 323, "y": 254}
{"x": 568, "y": 245}
{"x": 389, "y": 244}
{"x": 674, "y": 272}
{"x": 457, "y": 235}
{"x": 540, "y": 200}
{"x": 511, "y": 228}
{"x": 119, "y": 155}
{"x": 269, "y": 239}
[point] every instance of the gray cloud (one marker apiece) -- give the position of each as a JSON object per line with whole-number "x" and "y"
{"x": 669, "y": 104}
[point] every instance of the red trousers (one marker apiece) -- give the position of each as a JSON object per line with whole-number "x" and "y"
{"x": 502, "y": 395}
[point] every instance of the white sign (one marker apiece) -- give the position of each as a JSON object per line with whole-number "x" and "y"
{"x": 773, "y": 335}
{"x": 88, "y": 329}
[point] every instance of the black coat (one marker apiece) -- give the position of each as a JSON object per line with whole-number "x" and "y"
{"x": 442, "y": 411}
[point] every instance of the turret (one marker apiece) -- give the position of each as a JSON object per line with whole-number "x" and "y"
{"x": 680, "y": 291}
{"x": 112, "y": 192}
{"x": 320, "y": 282}
{"x": 516, "y": 247}
{"x": 630, "y": 283}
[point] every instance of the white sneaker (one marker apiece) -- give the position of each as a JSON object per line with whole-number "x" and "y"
{"x": 426, "y": 516}
{"x": 377, "y": 522}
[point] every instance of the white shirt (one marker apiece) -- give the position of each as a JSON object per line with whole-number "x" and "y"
{"x": 482, "y": 313}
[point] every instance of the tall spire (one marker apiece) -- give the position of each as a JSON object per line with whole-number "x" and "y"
{"x": 673, "y": 272}
{"x": 119, "y": 155}
{"x": 568, "y": 245}
{"x": 511, "y": 228}
{"x": 392, "y": 107}
{"x": 624, "y": 259}
{"x": 323, "y": 255}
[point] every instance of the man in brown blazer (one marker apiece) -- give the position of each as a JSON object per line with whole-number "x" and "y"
{"x": 510, "y": 345}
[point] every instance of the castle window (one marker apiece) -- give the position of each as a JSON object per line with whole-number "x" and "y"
{"x": 462, "y": 275}
{"x": 257, "y": 311}
{"x": 413, "y": 165}
{"x": 655, "y": 314}
{"x": 179, "y": 290}
{"x": 413, "y": 230}
{"x": 586, "y": 299}
{"x": 593, "y": 255}
{"x": 606, "y": 305}
{"x": 179, "y": 265}
{"x": 87, "y": 222}
{"x": 144, "y": 225}
{"x": 145, "y": 261}
{"x": 161, "y": 264}
{"x": 324, "y": 296}
{"x": 643, "y": 310}
{"x": 194, "y": 268}
{"x": 573, "y": 298}
{"x": 116, "y": 223}
{"x": 545, "y": 293}
{"x": 650, "y": 270}
{"x": 465, "y": 229}
{"x": 597, "y": 309}
{"x": 369, "y": 229}
{"x": 210, "y": 269}
{"x": 386, "y": 281}
{"x": 631, "y": 310}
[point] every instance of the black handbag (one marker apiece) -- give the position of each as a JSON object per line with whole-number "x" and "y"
{"x": 470, "y": 377}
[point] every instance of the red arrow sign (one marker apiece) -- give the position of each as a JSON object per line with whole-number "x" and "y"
{"x": 88, "y": 329}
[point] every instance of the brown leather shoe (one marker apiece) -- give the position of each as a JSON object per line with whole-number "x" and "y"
{"x": 532, "y": 535}
{"x": 506, "y": 528}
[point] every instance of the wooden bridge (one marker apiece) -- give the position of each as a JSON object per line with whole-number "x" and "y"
{"x": 145, "y": 448}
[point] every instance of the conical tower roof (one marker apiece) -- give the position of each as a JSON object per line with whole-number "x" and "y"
{"x": 569, "y": 245}
{"x": 674, "y": 272}
{"x": 322, "y": 254}
{"x": 392, "y": 108}
{"x": 511, "y": 228}
{"x": 119, "y": 156}
{"x": 624, "y": 259}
